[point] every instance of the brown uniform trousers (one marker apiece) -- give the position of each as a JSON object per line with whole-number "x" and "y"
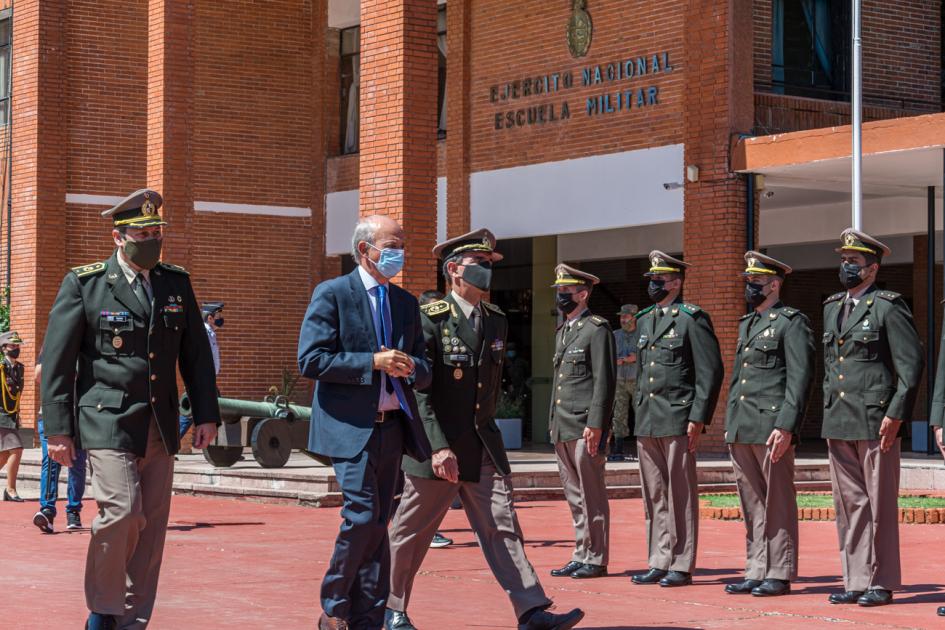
{"x": 586, "y": 492}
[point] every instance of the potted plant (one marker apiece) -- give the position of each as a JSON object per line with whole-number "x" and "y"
{"x": 508, "y": 417}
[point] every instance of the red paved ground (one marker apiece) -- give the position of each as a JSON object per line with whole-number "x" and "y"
{"x": 232, "y": 564}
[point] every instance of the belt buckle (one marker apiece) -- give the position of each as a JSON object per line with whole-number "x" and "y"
{"x": 380, "y": 417}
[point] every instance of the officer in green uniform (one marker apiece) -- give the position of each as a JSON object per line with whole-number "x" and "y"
{"x": 774, "y": 366}
{"x": 11, "y": 388}
{"x": 873, "y": 363}
{"x": 677, "y": 390}
{"x": 118, "y": 332}
{"x": 583, "y": 388}
{"x": 465, "y": 344}
{"x": 937, "y": 413}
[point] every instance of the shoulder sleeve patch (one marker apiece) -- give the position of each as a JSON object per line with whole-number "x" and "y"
{"x": 834, "y": 297}
{"x": 691, "y": 309}
{"x": 492, "y": 307}
{"x": 435, "y": 308}
{"x": 89, "y": 270}
{"x": 174, "y": 268}
{"x": 889, "y": 295}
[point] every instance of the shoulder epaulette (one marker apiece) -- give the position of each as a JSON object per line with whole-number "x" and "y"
{"x": 174, "y": 268}
{"x": 789, "y": 312}
{"x": 889, "y": 295}
{"x": 492, "y": 307}
{"x": 435, "y": 308}
{"x": 89, "y": 270}
{"x": 835, "y": 297}
{"x": 691, "y": 309}
{"x": 598, "y": 320}
{"x": 646, "y": 310}
{"x": 747, "y": 315}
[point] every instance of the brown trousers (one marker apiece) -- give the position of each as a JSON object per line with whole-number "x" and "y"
{"x": 769, "y": 506}
{"x": 586, "y": 492}
{"x": 491, "y": 514}
{"x": 865, "y": 485}
{"x": 127, "y": 545}
{"x": 671, "y": 501}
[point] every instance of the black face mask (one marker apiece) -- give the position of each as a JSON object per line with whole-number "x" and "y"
{"x": 754, "y": 294}
{"x": 13, "y": 354}
{"x": 565, "y": 303}
{"x": 478, "y": 274}
{"x": 218, "y": 322}
{"x": 850, "y": 275}
{"x": 657, "y": 290}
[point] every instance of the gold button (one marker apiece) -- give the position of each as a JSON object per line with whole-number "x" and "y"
{"x": 561, "y": 375}
{"x": 840, "y": 377}
{"x": 477, "y": 405}
{"x": 841, "y": 359}
{"x": 480, "y": 385}
{"x": 773, "y": 407}
{"x": 744, "y": 381}
{"x": 842, "y": 394}
{"x": 742, "y": 397}
{"x": 558, "y": 402}
{"x": 154, "y": 377}
{"x": 652, "y": 362}
{"x": 100, "y": 406}
{"x": 559, "y": 387}
{"x": 150, "y": 355}
{"x": 744, "y": 365}
{"x": 882, "y": 402}
{"x": 840, "y": 343}
{"x": 651, "y": 379}
{"x": 153, "y": 400}
{"x": 651, "y": 394}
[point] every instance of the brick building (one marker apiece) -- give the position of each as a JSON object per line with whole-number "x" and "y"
{"x": 269, "y": 126}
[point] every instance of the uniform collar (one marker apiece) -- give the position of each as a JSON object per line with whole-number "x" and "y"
{"x": 466, "y": 307}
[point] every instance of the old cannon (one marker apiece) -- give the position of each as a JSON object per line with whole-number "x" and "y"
{"x": 272, "y": 428}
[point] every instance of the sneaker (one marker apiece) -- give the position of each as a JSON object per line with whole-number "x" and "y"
{"x": 73, "y": 520}
{"x": 439, "y": 541}
{"x": 44, "y": 520}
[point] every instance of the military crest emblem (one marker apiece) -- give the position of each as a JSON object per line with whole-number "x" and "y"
{"x": 849, "y": 240}
{"x": 148, "y": 208}
{"x": 580, "y": 29}
{"x": 752, "y": 262}
{"x": 656, "y": 261}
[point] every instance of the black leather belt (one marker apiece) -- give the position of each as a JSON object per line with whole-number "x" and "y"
{"x": 384, "y": 416}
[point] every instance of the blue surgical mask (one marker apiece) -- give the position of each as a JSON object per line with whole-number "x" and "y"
{"x": 391, "y": 261}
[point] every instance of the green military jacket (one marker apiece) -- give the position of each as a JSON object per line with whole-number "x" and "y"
{"x": 585, "y": 378}
{"x": 10, "y": 396}
{"x": 458, "y": 408}
{"x": 771, "y": 378}
{"x": 107, "y": 369}
{"x": 872, "y": 365}
{"x": 680, "y": 370}
{"x": 937, "y": 412}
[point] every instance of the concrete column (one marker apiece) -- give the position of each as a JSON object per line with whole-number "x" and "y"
{"x": 39, "y": 183}
{"x": 718, "y": 105}
{"x": 170, "y": 120}
{"x": 398, "y": 125}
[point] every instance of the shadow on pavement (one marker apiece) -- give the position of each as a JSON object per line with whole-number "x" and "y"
{"x": 182, "y": 527}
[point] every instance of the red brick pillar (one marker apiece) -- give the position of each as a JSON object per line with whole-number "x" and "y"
{"x": 398, "y": 125}
{"x": 170, "y": 120}
{"x": 321, "y": 98}
{"x": 457, "y": 117}
{"x": 38, "y": 183}
{"x": 718, "y": 105}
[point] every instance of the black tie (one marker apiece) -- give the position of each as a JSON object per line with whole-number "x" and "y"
{"x": 845, "y": 313}
{"x": 142, "y": 294}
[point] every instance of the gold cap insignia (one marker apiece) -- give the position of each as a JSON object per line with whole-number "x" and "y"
{"x": 752, "y": 262}
{"x": 849, "y": 239}
{"x": 148, "y": 208}
{"x": 656, "y": 261}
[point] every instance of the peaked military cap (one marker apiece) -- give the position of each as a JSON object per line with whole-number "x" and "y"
{"x": 858, "y": 241}
{"x": 139, "y": 209}
{"x": 757, "y": 263}
{"x": 566, "y": 276}
{"x": 661, "y": 262}
{"x": 10, "y": 338}
{"x": 628, "y": 309}
{"x": 481, "y": 240}
{"x": 209, "y": 308}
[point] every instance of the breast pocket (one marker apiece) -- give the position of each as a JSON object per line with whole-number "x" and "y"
{"x": 670, "y": 351}
{"x": 764, "y": 353}
{"x": 575, "y": 365}
{"x": 828, "y": 345}
{"x": 866, "y": 345}
{"x": 116, "y": 338}
{"x": 173, "y": 319}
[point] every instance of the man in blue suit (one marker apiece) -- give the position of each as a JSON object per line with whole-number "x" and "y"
{"x": 362, "y": 343}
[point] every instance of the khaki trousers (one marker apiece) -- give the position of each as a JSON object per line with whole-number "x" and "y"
{"x": 125, "y": 552}
{"x": 769, "y": 506}
{"x": 671, "y": 502}
{"x": 491, "y": 514}
{"x": 623, "y": 407}
{"x": 586, "y": 491}
{"x": 865, "y": 485}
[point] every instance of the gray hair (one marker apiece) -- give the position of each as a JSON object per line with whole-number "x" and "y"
{"x": 365, "y": 230}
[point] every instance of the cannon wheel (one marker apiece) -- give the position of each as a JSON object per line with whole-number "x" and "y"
{"x": 223, "y": 456}
{"x": 272, "y": 442}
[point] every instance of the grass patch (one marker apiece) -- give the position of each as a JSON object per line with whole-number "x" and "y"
{"x": 823, "y": 501}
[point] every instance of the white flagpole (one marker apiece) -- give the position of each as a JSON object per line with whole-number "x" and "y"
{"x": 857, "y": 106}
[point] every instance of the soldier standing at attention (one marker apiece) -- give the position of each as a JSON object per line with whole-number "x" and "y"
{"x": 465, "y": 344}
{"x": 118, "y": 332}
{"x": 627, "y": 369}
{"x": 872, "y": 363}
{"x": 677, "y": 390}
{"x": 582, "y": 410}
{"x": 774, "y": 366}
{"x": 11, "y": 382}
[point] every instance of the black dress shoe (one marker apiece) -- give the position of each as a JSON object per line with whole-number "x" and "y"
{"x": 772, "y": 588}
{"x": 567, "y": 569}
{"x": 589, "y": 571}
{"x": 742, "y": 588}
{"x": 97, "y": 621}
{"x": 848, "y": 597}
{"x": 396, "y": 620}
{"x": 544, "y": 620}
{"x": 676, "y": 578}
{"x": 11, "y": 497}
{"x": 941, "y": 611}
{"x": 875, "y": 597}
{"x": 653, "y": 576}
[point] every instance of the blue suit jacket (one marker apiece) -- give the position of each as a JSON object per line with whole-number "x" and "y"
{"x": 336, "y": 349}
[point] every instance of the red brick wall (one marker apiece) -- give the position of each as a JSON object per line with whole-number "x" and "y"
{"x": 775, "y": 113}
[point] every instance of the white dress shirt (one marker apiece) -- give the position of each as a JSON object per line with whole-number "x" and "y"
{"x": 387, "y": 401}
{"x": 214, "y": 348}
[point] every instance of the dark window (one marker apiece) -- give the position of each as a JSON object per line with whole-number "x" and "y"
{"x": 5, "y": 33}
{"x": 350, "y": 88}
{"x": 810, "y": 53}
